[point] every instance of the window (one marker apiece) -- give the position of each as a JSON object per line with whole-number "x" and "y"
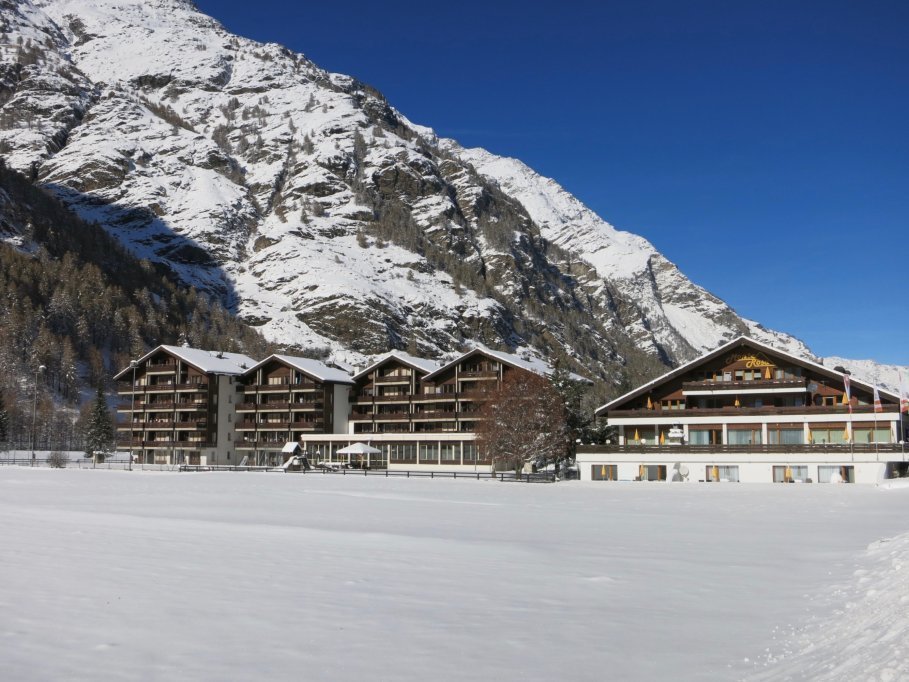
{"x": 402, "y": 452}
{"x": 705, "y": 436}
{"x": 722, "y": 472}
{"x": 429, "y": 453}
{"x": 832, "y": 434}
{"x": 746, "y": 436}
{"x": 470, "y": 453}
{"x": 778, "y": 435}
{"x": 790, "y": 473}
{"x": 449, "y": 453}
{"x": 652, "y": 472}
{"x": 866, "y": 435}
{"x": 838, "y": 474}
{"x": 604, "y": 472}
{"x": 673, "y": 404}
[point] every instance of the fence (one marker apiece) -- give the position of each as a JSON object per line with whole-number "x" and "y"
{"x": 505, "y": 476}
{"x": 83, "y": 463}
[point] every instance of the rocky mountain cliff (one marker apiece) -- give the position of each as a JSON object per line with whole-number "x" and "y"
{"x": 317, "y": 212}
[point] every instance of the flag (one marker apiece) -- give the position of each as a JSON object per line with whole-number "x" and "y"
{"x": 877, "y": 401}
{"x": 848, "y": 394}
{"x": 904, "y": 394}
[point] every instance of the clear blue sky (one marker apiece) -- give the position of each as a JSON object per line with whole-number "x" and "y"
{"x": 761, "y": 146}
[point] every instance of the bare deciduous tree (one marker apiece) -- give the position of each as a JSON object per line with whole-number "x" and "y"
{"x": 523, "y": 421}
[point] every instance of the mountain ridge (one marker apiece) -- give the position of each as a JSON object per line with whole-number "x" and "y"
{"x": 320, "y": 214}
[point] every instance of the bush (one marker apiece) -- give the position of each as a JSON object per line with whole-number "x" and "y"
{"x": 57, "y": 460}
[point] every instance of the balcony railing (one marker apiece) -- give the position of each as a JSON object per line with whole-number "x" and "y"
{"x": 273, "y": 406}
{"x": 162, "y": 367}
{"x": 264, "y": 426}
{"x": 668, "y": 450}
{"x": 303, "y": 426}
{"x": 307, "y": 406}
{"x": 806, "y": 410}
{"x": 743, "y": 385}
{"x": 152, "y": 444}
{"x": 191, "y": 424}
{"x": 192, "y": 386}
{"x": 392, "y": 380}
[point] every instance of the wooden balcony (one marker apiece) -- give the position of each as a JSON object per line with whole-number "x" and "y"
{"x": 166, "y": 444}
{"x": 191, "y": 424}
{"x": 807, "y": 411}
{"x": 436, "y": 397}
{"x": 268, "y": 388}
{"x": 193, "y": 406}
{"x": 273, "y": 407}
{"x": 272, "y": 426}
{"x": 392, "y": 380}
{"x": 160, "y": 368}
{"x": 839, "y": 449}
{"x": 308, "y": 426}
{"x": 307, "y": 406}
{"x": 391, "y": 416}
{"x": 478, "y": 375}
{"x": 757, "y": 384}
{"x": 158, "y": 388}
{"x": 436, "y": 415}
{"x": 192, "y": 387}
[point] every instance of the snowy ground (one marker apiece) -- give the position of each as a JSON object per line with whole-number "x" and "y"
{"x": 217, "y": 576}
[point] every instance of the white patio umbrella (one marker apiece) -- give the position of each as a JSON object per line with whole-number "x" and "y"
{"x": 362, "y": 450}
{"x": 359, "y": 449}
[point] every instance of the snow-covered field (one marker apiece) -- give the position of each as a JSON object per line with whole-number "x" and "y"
{"x": 230, "y": 576}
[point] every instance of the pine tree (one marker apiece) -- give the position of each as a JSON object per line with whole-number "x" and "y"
{"x": 99, "y": 435}
{"x": 4, "y": 424}
{"x": 572, "y": 394}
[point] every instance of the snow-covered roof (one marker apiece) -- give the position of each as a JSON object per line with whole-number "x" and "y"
{"x": 313, "y": 368}
{"x": 535, "y": 365}
{"x": 740, "y": 341}
{"x": 413, "y": 362}
{"x": 208, "y": 361}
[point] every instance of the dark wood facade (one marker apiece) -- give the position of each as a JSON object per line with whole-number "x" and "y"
{"x": 395, "y": 396}
{"x": 279, "y": 402}
{"x": 170, "y": 413}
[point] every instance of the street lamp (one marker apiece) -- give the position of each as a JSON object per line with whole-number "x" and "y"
{"x": 40, "y": 369}
{"x": 132, "y": 411}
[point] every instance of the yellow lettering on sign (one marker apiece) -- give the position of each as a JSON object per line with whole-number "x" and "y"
{"x": 751, "y": 361}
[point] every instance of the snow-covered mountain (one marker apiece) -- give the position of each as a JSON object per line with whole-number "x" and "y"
{"x": 879, "y": 374}
{"x": 315, "y": 210}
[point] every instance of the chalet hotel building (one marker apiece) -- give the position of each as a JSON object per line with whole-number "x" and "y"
{"x": 749, "y": 412}
{"x": 743, "y": 412}
{"x": 184, "y": 405}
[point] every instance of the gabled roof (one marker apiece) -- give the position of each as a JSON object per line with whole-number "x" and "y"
{"x": 741, "y": 341}
{"x": 534, "y": 365}
{"x": 419, "y": 364}
{"x": 207, "y": 361}
{"x": 312, "y": 368}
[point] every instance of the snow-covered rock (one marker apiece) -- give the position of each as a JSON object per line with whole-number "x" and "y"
{"x": 319, "y": 213}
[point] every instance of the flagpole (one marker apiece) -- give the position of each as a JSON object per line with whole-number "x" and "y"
{"x": 903, "y": 398}
{"x": 876, "y": 457}
{"x": 848, "y": 393}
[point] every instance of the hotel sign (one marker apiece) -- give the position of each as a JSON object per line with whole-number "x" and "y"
{"x": 751, "y": 361}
